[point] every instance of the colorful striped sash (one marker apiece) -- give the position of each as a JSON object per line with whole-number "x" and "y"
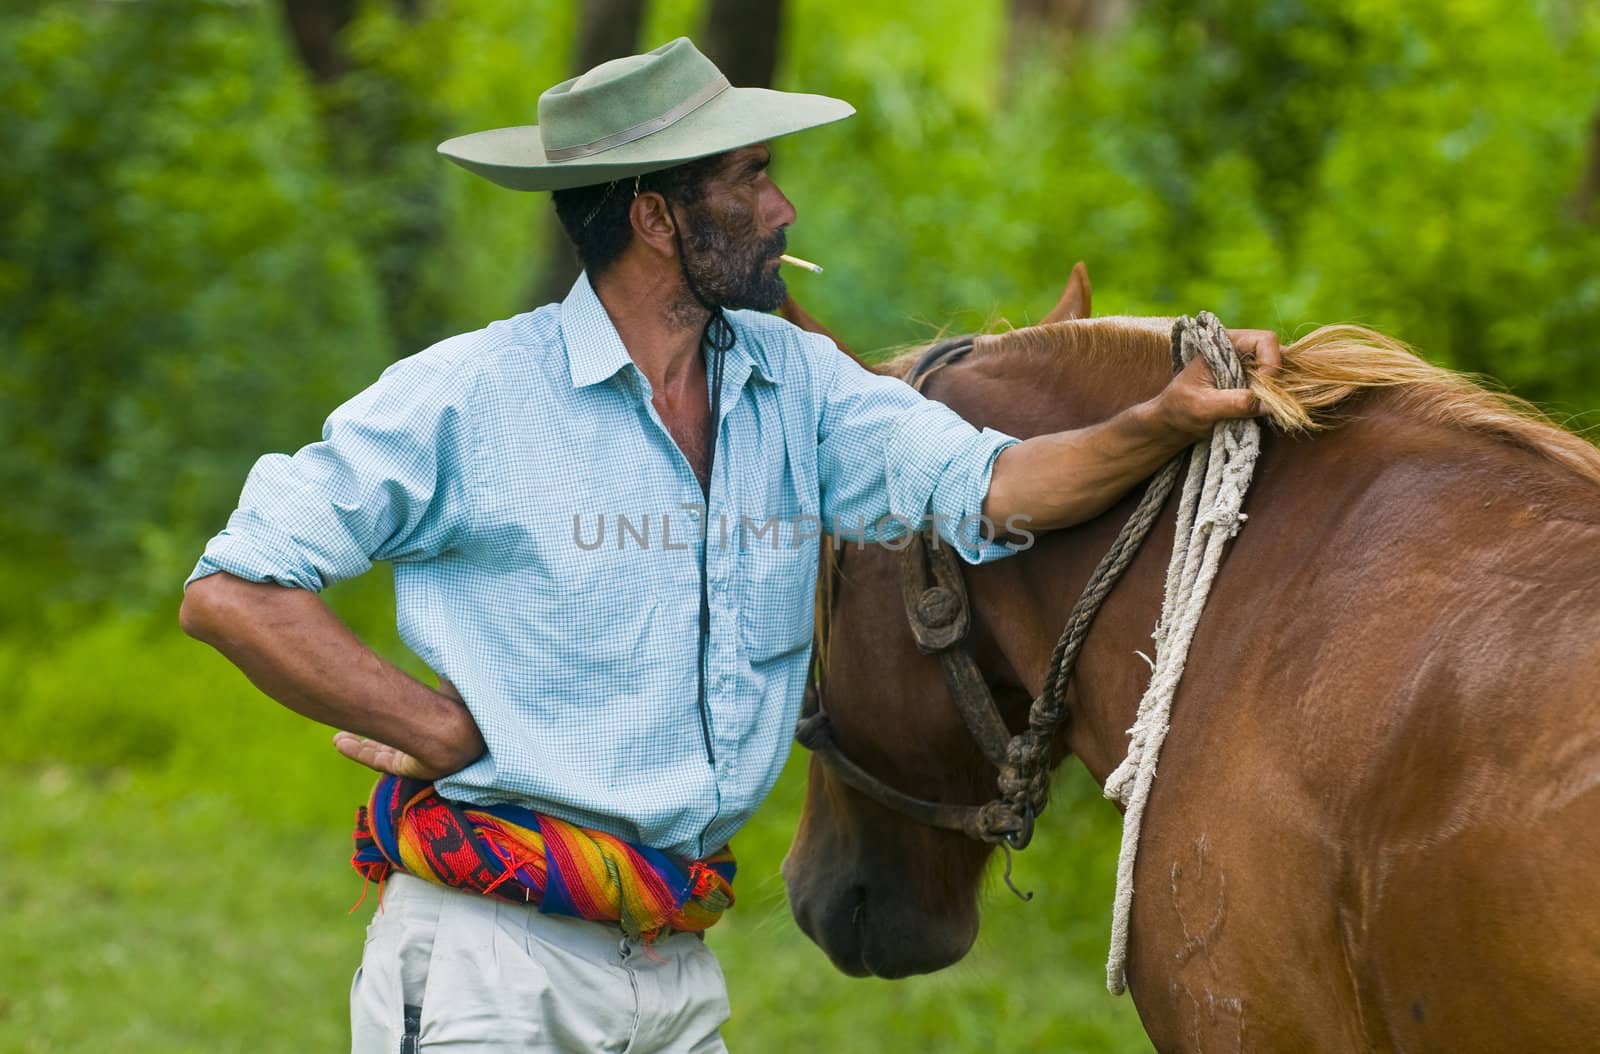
{"x": 523, "y": 856}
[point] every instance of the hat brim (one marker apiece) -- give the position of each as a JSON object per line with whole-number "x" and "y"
{"x": 515, "y": 157}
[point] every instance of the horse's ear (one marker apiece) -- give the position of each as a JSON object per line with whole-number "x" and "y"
{"x": 1074, "y": 302}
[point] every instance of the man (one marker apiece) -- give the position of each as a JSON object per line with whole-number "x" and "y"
{"x": 602, "y": 519}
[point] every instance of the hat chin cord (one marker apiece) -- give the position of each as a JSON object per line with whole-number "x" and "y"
{"x": 718, "y": 334}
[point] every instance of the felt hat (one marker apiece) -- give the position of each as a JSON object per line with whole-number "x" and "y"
{"x": 635, "y": 115}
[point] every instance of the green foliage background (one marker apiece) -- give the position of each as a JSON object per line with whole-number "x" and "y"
{"x": 201, "y": 253}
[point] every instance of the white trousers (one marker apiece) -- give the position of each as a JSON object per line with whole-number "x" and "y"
{"x": 447, "y": 971}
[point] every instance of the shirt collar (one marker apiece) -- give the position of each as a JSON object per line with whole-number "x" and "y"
{"x": 595, "y": 352}
{"x": 752, "y": 353}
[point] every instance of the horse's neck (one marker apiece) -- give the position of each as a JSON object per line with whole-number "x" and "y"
{"x": 1027, "y": 387}
{"x": 1024, "y": 602}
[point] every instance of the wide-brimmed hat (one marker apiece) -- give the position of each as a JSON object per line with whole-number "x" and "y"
{"x": 635, "y": 115}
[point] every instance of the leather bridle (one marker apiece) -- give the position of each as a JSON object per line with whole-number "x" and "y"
{"x": 935, "y": 597}
{"x": 936, "y": 606}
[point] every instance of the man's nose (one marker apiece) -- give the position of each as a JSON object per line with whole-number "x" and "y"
{"x": 780, "y": 211}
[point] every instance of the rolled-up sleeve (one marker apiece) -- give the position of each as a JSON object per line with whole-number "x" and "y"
{"x": 392, "y": 479}
{"x": 891, "y": 460}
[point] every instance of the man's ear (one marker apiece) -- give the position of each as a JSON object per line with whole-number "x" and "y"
{"x": 653, "y": 223}
{"x": 1074, "y": 302}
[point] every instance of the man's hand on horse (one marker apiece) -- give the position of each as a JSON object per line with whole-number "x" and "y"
{"x": 1192, "y": 403}
{"x": 447, "y": 757}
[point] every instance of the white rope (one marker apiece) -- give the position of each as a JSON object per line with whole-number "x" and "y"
{"x": 1220, "y": 468}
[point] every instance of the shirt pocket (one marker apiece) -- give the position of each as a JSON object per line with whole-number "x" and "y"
{"x": 567, "y": 555}
{"x": 779, "y": 574}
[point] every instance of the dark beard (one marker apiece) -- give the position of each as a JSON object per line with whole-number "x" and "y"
{"x": 731, "y": 271}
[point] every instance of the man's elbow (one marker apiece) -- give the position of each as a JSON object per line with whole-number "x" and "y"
{"x": 196, "y": 612}
{"x": 209, "y": 604}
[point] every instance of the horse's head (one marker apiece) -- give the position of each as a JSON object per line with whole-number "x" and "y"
{"x": 880, "y": 893}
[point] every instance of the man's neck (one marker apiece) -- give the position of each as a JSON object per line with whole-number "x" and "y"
{"x": 660, "y": 327}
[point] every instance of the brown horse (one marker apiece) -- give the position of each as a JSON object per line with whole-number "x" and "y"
{"x": 1377, "y": 815}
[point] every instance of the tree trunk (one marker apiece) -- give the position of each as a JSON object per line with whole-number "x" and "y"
{"x": 1073, "y": 17}
{"x": 742, "y": 38}
{"x": 1050, "y": 26}
{"x": 1588, "y": 192}
{"x": 607, "y": 29}
{"x": 314, "y": 26}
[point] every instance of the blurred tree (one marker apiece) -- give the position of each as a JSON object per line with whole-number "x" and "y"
{"x": 441, "y": 241}
{"x": 1588, "y": 192}
{"x": 314, "y": 26}
{"x": 743, "y": 37}
{"x": 373, "y": 122}
{"x": 373, "y": 67}
{"x": 1061, "y": 21}
{"x": 1048, "y": 31}
{"x": 178, "y": 288}
{"x": 607, "y": 29}
{"x": 1039, "y": 31}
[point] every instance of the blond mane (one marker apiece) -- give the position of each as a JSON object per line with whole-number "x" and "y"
{"x": 1321, "y": 372}
{"x": 1327, "y": 367}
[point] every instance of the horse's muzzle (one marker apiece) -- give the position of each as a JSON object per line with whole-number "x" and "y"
{"x": 867, "y": 934}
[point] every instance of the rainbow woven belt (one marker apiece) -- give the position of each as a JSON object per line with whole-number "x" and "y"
{"x": 527, "y": 857}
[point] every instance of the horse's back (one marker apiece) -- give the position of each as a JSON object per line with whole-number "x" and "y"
{"x": 1476, "y": 832}
{"x": 1413, "y": 729}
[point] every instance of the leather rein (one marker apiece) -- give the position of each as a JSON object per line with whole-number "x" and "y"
{"x": 935, "y": 597}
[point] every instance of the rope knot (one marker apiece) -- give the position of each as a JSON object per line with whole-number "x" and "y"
{"x": 1012, "y": 783}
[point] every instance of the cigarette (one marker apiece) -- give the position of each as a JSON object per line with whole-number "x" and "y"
{"x": 797, "y": 262}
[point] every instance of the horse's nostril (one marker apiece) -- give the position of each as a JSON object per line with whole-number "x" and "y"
{"x": 856, "y": 900}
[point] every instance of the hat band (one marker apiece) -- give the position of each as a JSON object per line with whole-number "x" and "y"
{"x": 644, "y": 128}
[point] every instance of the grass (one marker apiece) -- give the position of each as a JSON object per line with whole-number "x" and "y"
{"x": 173, "y": 878}
{"x": 142, "y": 920}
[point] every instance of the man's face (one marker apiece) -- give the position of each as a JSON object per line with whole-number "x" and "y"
{"x": 734, "y": 235}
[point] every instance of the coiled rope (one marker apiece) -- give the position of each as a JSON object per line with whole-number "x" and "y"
{"x": 1220, "y": 470}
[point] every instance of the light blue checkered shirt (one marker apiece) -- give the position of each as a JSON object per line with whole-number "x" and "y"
{"x": 545, "y": 535}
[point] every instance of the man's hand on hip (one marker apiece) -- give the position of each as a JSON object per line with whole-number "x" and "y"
{"x": 450, "y": 757}
{"x": 377, "y": 756}
{"x": 297, "y": 651}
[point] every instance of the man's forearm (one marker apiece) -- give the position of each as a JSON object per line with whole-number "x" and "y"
{"x": 297, "y": 651}
{"x": 1064, "y": 478}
